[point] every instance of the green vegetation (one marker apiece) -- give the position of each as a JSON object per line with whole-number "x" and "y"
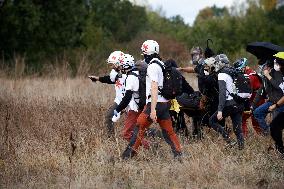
{"x": 49, "y": 33}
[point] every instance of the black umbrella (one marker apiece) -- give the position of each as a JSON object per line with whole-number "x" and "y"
{"x": 263, "y": 50}
{"x": 208, "y": 51}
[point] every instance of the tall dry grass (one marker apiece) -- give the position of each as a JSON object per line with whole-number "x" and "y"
{"x": 52, "y": 136}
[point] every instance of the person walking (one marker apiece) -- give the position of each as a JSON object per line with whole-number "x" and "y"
{"x": 255, "y": 82}
{"x": 157, "y": 106}
{"x": 131, "y": 98}
{"x": 227, "y": 105}
{"x": 117, "y": 78}
{"x": 277, "y": 126}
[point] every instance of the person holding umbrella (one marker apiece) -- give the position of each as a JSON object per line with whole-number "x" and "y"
{"x": 270, "y": 88}
{"x": 277, "y": 126}
{"x": 264, "y": 52}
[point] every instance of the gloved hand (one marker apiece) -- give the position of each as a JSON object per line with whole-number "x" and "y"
{"x": 115, "y": 113}
{"x": 93, "y": 78}
{"x": 115, "y": 117}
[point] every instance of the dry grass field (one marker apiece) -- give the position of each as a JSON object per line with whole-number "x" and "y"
{"x": 52, "y": 136}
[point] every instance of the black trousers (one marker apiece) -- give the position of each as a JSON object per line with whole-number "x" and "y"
{"x": 276, "y": 128}
{"x": 235, "y": 112}
{"x": 108, "y": 121}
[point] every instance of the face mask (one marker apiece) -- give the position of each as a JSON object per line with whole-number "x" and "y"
{"x": 206, "y": 72}
{"x": 276, "y": 67}
{"x": 195, "y": 58}
{"x": 147, "y": 58}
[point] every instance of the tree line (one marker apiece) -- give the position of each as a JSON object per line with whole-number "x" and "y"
{"x": 45, "y": 31}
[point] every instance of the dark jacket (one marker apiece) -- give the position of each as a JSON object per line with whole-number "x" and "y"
{"x": 106, "y": 79}
{"x": 270, "y": 88}
{"x": 186, "y": 88}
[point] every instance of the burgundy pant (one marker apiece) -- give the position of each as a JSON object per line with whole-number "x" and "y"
{"x": 130, "y": 123}
{"x": 253, "y": 122}
{"x": 165, "y": 123}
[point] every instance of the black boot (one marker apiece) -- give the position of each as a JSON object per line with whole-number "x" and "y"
{"x": 128, "y": 153}
{"x": 280, "y": 150}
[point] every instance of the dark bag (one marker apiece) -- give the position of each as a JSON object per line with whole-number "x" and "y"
{"x": 190, "y": 100}
{"x": 142, "y": 69}
{"x": 172, "y": 85}
{"x": 241, "y": 81}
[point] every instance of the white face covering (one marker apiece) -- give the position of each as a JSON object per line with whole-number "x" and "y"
{"x": 206, "y": 72}
{"x": 276, "y": 67}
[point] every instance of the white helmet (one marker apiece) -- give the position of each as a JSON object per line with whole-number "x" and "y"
{"x": 221, "y": 61}
{"x": 115, "y": 58}
{"x": 210, "y": 62}
{"x": 150, "y": 47}
{"x": 128, "y": 62}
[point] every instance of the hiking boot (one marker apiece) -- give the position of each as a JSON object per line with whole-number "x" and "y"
{"x": 178, "y": 156}
{"x": 128, "y": 153}
{"x": 241, "y": 145}
{"x": 197, "y": 134}
{"x": 280, "y": 151}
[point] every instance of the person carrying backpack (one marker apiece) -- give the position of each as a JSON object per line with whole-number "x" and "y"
{"x": 210, "y": 98}
{"x": 227, "y": 103}
{"x": 277, "y": 126}
{"x": 131, "y": 99}
{"x": 157, "y": 106}
{"x": 117, "y": 78}
{"x": 176, "y": 111}
{"x": 242, "y": 66}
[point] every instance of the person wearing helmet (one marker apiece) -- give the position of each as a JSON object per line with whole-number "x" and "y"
{"x": 255, "y": 81}
{"x": 272, "y": 78}
{"x": 205, "y": 83}
{"x": 117, "y": 78}
{"x": 277, "y": 126}
{"x": 227, "y": 105}
{"x": 177, "y": 114}
{"x": 130, "y": 98}
{"x": 210, "y": 98}
{"x": 156, "y": 108}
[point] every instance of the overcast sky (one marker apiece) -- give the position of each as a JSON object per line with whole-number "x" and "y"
{"x": 188, "y": 9}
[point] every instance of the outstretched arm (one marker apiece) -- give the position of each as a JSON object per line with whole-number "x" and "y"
{"x": 103, "y": 79}
{"x": 106, "y": 79}
{"x": 187, "y": 69}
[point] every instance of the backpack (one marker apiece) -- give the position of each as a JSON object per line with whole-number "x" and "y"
{"x": 142, "y": 69}
{"x": 243, "y": 90}
{"x": 191, "y": 101}
{"x": 172, "y": 85}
